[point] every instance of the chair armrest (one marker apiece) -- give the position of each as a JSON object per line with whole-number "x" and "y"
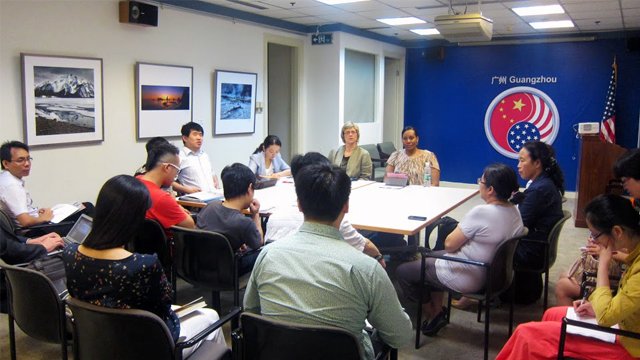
{"x": 211, "y": 328}
{"x": 618, "y": 332}
{"x": 44, "y": 227}
{"x": 535, "y": 241}
{"x": 455, "y": 259}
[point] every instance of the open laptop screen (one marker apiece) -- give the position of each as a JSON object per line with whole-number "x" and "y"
{"x": 80, "y": 229}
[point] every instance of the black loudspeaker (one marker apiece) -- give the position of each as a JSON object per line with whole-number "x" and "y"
{"x": 138, "y": 13}
{"x": 633, "y": 44}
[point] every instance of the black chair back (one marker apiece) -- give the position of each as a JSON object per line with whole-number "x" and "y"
{"x": 554, "y": 236}
{"x": 266, "y": 339}
{"x": 34, "y": 304}
{"x": 152, "y": 239}
{"x": 206, "y": 258}
{"x": 102, "y": 333}
{"x": 386, "y": 149}
{"x": 6, "y": 223}
{"x": 501, "y": 268}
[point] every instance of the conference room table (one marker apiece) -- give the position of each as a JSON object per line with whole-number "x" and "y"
{"x": 374, "y": 206}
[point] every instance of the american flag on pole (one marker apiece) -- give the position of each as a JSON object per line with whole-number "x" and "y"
{"x": 608, "y": 124}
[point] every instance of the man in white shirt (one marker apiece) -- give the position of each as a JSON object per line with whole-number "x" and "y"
{"x": 196, "y": 173}
{"x": 15, "y": 200}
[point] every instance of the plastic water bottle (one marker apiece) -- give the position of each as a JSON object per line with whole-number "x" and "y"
{"x": 427, "y": 174}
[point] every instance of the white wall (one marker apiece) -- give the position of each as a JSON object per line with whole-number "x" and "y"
{"x": 325, "y": 107}
{"x": 91, "y": 29}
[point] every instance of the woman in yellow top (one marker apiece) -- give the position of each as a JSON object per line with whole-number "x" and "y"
{"x": 411, "y": 160}
{"x": 353, "y": 159}
{"x": 614, "y": 224}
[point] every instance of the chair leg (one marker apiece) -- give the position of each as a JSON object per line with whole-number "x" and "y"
{"x": 486, "y": 328}
{"x": 12, "y": 336}
{"x": 215, "y": 301}
{"x": 420, "y": 293}
{"x": 449, "y": 297}
{"x": 63, "y": 344}
{"x": 480, "y": 310}
{"x": 393, "y": 354}
{"x": 546, "y": 289}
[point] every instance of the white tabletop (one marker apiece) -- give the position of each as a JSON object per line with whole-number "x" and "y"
{"x": 374, "y": 206}
{"x": 381, "y": 208}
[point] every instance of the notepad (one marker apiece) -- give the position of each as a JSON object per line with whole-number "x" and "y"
{"x": 63, "y": 211}
{"x": 190, "y": 307}
{"x": 600, "y": 335}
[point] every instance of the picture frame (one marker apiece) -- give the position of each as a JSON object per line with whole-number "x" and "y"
{"x": 62, "y": 99}
{"x": 164, "y": 99}
{"x": 234, "y": 102}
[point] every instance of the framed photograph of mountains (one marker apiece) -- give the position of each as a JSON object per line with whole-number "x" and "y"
{"x": 163, "y": 99}
{"x": 62, "y": 99}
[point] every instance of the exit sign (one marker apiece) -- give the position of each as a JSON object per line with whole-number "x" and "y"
{"x": 322, "y": 39}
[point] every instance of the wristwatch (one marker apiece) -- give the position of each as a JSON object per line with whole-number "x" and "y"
{"x": 378, "y": 257}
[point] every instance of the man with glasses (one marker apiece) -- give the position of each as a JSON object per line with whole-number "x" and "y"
{"x": 163, "y": 167}
{"x": 15, "y": 200}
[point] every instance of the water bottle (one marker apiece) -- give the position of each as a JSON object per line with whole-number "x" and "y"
{"x": 426, "y": 180}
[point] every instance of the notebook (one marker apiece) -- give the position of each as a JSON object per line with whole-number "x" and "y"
{"x": 396, "y": 179}
{"x": 79, "y": 231}
{"x": 262, "y": 183}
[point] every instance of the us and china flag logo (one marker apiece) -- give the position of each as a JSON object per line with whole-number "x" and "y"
{"x": 518, "y": 115}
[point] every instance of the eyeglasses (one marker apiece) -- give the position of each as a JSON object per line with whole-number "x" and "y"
{"x": 480, "y": 181}
{"x": 594, "y": 237}
{"x": 22, "y": 160}
{"x": 173, "y": 166}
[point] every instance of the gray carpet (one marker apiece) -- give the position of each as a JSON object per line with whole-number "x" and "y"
{"x": 461, "y": 339}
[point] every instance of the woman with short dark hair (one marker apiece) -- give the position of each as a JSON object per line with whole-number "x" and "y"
{"x": 476, "y": 237}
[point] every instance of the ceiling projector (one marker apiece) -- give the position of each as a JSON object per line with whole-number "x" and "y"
{"x": 465, "y": 27}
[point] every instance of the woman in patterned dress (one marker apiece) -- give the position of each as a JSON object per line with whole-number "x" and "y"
{"x": 411, "y": 160}
{"x": 102, "y": 272}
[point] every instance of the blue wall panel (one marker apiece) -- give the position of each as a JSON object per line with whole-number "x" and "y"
{"x": 447, "y": 98}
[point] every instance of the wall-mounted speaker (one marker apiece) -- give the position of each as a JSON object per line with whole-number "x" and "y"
{"x": 138, "y": 13}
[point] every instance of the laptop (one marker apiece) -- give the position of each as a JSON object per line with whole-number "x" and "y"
{"x": 79, "y": 231}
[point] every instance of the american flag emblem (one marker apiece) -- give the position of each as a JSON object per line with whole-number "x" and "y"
{"x": 518, "y": 115}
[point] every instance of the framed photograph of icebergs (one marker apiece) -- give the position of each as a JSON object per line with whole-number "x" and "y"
{"x": 62, "y": 99}
{"x": 163, "y": 99}
{"x": 235, "y": 102}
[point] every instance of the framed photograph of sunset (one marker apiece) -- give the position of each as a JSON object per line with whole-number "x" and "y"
{"x": 163, "y": 99}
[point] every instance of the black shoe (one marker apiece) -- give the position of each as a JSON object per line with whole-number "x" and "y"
{"x": 438, "y": 322}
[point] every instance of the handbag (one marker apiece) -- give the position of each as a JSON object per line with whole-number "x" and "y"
{"x": 52, "y": 266}
{"x": 589, "y": 264}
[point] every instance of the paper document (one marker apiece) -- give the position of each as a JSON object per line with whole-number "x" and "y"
{"x": 63, "y": 211}
{"x": 603, "y": 336}
{"x": 187, "y": 309}
{"x": 204, "y": 196}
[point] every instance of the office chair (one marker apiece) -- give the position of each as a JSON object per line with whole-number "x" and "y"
{"x": 378, "y": 165}
{"x": 206, "y": 259}
{"x": 563, "y": 332}
{"x": 152, "y": 239}
{"x": 550, "y": 255}
{"x": 103, "y": 333}
{"x": 261, "y": 338}
{"x": 498, "y": 279}
{"x": 34, "y": 304}
{"x": 386, "y": 149}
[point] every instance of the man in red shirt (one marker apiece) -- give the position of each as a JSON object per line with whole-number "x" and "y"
{"x": 163, "y": 166}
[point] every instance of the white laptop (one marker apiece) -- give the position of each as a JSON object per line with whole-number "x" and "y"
{"x": 79, "y": 231}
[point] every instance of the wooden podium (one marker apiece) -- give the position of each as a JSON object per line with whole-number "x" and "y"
{"x": 595, "y": 169}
